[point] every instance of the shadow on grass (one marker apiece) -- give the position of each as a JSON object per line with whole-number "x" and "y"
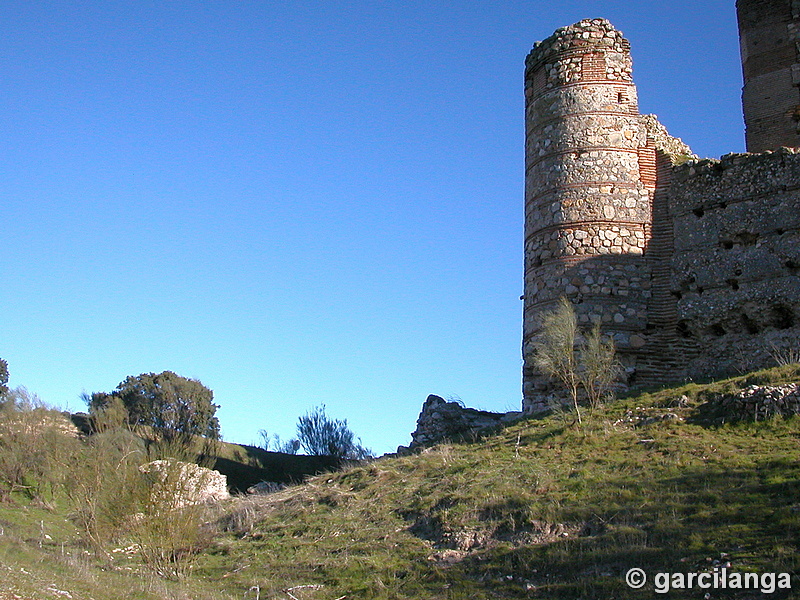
{"x": 693, "y": 522}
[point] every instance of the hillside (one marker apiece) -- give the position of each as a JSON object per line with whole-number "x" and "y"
{"x": 542, "y": 509}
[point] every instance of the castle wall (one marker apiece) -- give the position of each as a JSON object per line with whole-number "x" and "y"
{"x": 587, "y": 209}
{"x": 769, "y": 34}
{"x": 736, "y": 259}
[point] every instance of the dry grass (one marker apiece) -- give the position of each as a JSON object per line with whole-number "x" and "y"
{"x": 540, "y": 510}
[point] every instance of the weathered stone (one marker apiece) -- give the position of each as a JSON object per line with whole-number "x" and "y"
{"x": 441, "y": 421}
{"x": 176, "y": 484}
{"x": 756, "y": 403}
{"x": 706, "y": 254}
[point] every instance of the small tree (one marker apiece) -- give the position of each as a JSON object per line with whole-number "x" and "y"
{"x": 176, "y": 408}
{"x": 3, "y": 379}
{"x": 320, "y": 435}
{"x": 554, "y": 352}
{"x": 599, "y": 367}
{"x": 275, "y": 442}
{"x": 590, "y": 365}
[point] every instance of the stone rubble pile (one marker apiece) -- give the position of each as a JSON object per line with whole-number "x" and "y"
{"x": 758, "y": 402}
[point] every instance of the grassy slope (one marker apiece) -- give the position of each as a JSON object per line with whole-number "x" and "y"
{"x": 543, "y": 509}
{"x": 245, "y": 466}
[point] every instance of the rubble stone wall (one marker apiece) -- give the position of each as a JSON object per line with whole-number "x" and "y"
{"x": 737, "y": 259}
{"x": 590, "y": 176}
{"x": 769, "y": 36}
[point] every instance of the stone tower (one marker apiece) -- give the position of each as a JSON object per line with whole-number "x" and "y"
{"x": 769, "y": 37}
{"x": 591, "y": 175}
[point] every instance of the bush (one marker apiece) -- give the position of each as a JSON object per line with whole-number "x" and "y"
{"x": 589, "y": 364}
{"x": 114, "y": 498}
{"x": 174, "y": 407}
{"x": 322, "y": 436}
{"x": 32, "y": 440}
{"x": 274, "y": 443}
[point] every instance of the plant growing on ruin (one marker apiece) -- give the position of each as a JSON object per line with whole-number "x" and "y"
{"x": 599, "y": 367}
{"x": 554, "y": 352}
{"x": 587, "y": 364}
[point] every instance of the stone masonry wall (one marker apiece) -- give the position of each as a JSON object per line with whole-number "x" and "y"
{"x": 737, "y": 259}
{"x": 591, "y": 174}
{"x": 769, "y": 36}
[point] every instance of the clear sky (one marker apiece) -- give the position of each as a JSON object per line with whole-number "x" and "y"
{"x": 295, "y": 202}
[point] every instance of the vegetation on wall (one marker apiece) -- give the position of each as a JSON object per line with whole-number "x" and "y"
{"x": 579, "y": 361}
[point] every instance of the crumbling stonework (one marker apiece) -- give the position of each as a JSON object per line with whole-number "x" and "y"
{"x": 759, "y": 402}
{"x": 441, "y": 421}
{"x": 593, "y": 165}
{"x": 737, "y": 258}
{"x": 691, "y": 266}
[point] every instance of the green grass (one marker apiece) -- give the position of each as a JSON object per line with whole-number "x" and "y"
{"x": 542, "y": 509}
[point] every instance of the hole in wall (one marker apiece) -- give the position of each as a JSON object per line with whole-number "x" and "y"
{"x": 621, "y": 97}
{"x": 727, "y": 244}
{"x": 792, "y": 266}
{"x": 699, "y": 212}
{"x": 700, "y": 290}
{"x": 723, "y": 204}
{"x": 780, "y": 231}
{"x": 750, "y": 326}
{"x": 676, "y": 294}
{"x": 781, "y": 317}
{"x": 737, "y": 272}
{"x": 717, "y": 329}
{"x": 733, "y": 283}
{"x": 683, "y": 330}
{"x": 746, "y": 238}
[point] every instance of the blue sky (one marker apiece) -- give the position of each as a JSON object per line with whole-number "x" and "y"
{"x": 299, "y": 202}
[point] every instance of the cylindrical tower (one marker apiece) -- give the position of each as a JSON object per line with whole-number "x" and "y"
{"x": 769, "y": 36}
{"x": 589, "y": 178}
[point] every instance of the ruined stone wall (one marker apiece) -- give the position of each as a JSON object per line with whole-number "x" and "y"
{"x": 737, "y": 259}
{"x": 769, "y": 36}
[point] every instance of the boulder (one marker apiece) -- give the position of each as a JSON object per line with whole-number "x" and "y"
{"x": 176, "y": 484}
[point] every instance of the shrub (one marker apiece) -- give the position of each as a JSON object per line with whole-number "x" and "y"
{"x": 32, "y": 438}
{"x": 589, "y": 364}
{"x": 173, "y": 407}
{"x": 321, "y": 436}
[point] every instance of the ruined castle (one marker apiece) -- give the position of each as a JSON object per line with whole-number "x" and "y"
{"x": 691, "y": 266}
